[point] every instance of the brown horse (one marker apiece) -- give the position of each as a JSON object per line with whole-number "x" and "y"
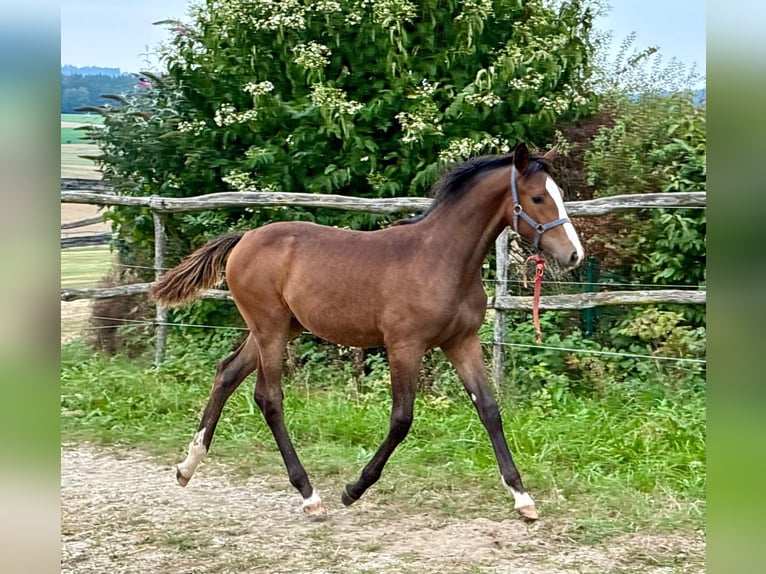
{"x": 410, "y": 287}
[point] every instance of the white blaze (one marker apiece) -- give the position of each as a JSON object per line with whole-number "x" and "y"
{"x": 555, "y": 193}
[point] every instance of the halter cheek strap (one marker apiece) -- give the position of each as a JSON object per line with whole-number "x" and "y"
{"x": 518, "y": 211}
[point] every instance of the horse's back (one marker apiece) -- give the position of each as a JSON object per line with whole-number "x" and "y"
{"x": 356, "y": 288}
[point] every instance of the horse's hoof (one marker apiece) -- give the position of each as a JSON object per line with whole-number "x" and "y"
{"x": 528, "y": 512}
{"x": 182, "y": 480}
{"x": 346, "y": 498}
{"x": 315, "y": 512}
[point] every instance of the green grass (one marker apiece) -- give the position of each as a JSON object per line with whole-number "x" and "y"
{"x": 84, "y": 266}
{"x": 633, "y": 459}
{"x": 74, "y": 136}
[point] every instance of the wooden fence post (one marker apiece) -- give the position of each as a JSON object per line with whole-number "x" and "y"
{"x": 501, "y": 289}
{"x": 161, "y": 330}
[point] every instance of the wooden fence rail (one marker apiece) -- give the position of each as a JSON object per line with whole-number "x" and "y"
{"x": 159, "y": 204}
{"x": 82, "y": 222}
{"x": 98, "y": 193}
{"x": 504, "y": 303}
{"x": 86, "y": 240}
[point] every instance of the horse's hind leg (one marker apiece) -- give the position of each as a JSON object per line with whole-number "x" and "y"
{"x": 229, "y": 375}
{"x": 269, "y": 398}
{"x": 465, "y": 354}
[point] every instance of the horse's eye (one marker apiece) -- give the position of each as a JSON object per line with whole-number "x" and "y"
{"x": 537, "y": 199}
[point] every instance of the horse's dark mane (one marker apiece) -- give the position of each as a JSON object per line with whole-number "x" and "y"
{"x": 454, "y": 183}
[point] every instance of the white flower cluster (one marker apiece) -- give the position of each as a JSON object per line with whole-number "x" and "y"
{"x": 194, "y": 127}
{"x": 575, "y": 96}
{"x": 258, "y": 89}
{"x": 239, "y": 180}
{"x": 227, "y": 115}
{"x": 480, "y": 8}
{"x": 423, "y": 119}
{"x": 417, "y": 124}
{"x": 376, "y": 179}
{"x": 312, "y": 55}
{"x": 462, "y": 149}
{"x": 558, "y": 104}
{"x": 533, "y": 81}
{"x": 352, "y": 18}
{"x": 425, "y": 89}
{"x": 490, "y": 100}
{"x": 264, "y": 14}
{"x": 391, "y": 13}
{"x": 333, "y": 100}
{"x": 326, "y": 6}
{"x": 357, "y": 11}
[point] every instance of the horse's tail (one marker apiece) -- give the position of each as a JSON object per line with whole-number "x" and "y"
{"x": 199, "y": 271}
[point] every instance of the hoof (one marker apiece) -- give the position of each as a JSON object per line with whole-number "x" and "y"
{"x": 346, "y": 498}
{"x": 528, "y": 512}
{"x": 182, "y": 480}
{"x": 315, "y": 512}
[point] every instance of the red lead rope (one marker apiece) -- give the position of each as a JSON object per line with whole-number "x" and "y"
{"x": 539, "y": 268}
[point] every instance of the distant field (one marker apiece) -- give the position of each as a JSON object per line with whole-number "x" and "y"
{"x": 72, "y": 165}
{"x": 81, "y": 267}
{"x": 74, "y": 145}
{"x": 84, "y": 266}
{"x": 73, "y": 136}
{"x": 70, "y": 134}
{"x": 82, "y": 118}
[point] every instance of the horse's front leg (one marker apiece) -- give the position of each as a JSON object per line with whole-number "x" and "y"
{"x": 465, "y": 354}
{"x": 404, "y": 364}
{"x": 269, "y": 398}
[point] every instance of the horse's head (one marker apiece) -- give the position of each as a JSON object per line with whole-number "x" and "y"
{"x": 538, "y": 212}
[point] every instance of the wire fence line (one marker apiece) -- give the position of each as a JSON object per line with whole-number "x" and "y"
{"x": 100, "y": 194}
{"x": 493, "y": 282}
{"x": 147, "y": 323}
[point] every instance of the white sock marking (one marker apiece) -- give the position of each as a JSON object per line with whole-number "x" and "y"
{"x": 311, "y": 500}
{"x": 197, "y": 452}
{"x": 555, "y": 193}
{"x": 519, "y": 498}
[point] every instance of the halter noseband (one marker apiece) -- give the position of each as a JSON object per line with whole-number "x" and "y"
{"x": 539, "y": 228}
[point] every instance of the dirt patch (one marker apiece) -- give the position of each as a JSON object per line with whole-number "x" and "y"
{"x": 121, "y": 512}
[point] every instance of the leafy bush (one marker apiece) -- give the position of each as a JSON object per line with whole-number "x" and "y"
{"x": 368, "y": 98}
{"x": 658, "y": 144}
{"x": 595, "y": 367}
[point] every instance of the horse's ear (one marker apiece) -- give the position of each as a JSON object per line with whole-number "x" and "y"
{"x": 521, "y": 156}
{"x": 551, "y": 154}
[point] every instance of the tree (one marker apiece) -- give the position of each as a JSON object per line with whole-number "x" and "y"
{"x": 368, "y": 98}
{"x": 359, "y": 97}
{"x": 78, "y": 90}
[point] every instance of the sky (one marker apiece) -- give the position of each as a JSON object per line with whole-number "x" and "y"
{"x": 115, "y": 33}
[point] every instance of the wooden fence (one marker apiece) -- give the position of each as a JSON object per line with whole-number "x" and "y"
{"x": 95, "y": 192}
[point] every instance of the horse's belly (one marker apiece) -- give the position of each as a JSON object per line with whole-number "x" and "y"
{"x": 339, "y": 326}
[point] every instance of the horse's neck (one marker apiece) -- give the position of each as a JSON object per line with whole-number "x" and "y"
{"x": 467, "y": 230}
